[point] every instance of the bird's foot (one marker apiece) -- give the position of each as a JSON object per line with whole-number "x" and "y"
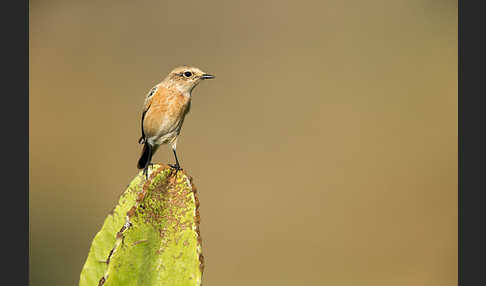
{"x": 176, "y": 167}
{"x": 145, "y": 172}
{"x": 146, "y": 169}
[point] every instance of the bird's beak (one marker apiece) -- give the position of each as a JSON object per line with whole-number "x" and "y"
{"x": 207, "y": 76}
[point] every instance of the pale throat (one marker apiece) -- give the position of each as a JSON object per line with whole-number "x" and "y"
{"x": 187, "y": 93}
{"x": 185, "y": 89}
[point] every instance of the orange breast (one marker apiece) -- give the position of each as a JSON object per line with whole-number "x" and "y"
{"x": 166, "y": 109}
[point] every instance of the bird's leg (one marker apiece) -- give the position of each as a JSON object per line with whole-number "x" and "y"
{"x": 177, "y": 167}
{"x": 145, "y": 172}
{"x": 149, "y": 164}
{"x": 146, "y": 169}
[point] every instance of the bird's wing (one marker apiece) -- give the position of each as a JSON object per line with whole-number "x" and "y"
{"x": 146, "y": 106}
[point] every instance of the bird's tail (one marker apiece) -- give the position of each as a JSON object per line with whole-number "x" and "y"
{"x": 145, "y": 157}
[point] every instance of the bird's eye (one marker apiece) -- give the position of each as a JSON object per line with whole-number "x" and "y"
{"x": 187, "y": 74}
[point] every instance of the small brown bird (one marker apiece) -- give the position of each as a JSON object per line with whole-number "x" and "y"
{"x": 164, "y": 110}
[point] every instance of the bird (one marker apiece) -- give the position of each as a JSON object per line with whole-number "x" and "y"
{"x": 164, "y": 109}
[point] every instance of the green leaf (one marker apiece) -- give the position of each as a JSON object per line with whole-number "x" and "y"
{"x": 151, "y": 237}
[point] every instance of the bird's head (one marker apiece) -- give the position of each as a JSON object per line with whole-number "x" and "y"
{"x": 185, "y": 78}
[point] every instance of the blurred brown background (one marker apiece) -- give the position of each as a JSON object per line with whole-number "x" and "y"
{"x": 325, "y": 151}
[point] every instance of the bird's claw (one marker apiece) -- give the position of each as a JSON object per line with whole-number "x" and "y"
{"x": 145, "y": 170}
{"x": 176, "y": 167}
{"x": 145, "y": 173}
